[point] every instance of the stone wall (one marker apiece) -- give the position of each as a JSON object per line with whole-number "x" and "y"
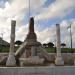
{"x": 52, "y": 56}
{"x": 50, "y": 70}
{"x": 3, "y": 55}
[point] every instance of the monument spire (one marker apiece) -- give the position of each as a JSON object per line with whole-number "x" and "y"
{"x": 31, "y": 25}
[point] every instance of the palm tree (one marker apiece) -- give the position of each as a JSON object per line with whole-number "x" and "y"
{"x": 50, "y": 44}
{"x": 63, "y": 45}
{"x": 18, "y": 42}
{"x": 45, "y": 45}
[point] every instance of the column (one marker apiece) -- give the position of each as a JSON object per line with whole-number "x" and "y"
{"x": 58, "y": 60}
{"x": 11, "y": 58}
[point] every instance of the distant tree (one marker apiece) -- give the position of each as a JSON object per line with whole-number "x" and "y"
{"x": 63, "y": 45}
{"x": 50, "y": 44}
{"x": 18, "y": 42}
{"x": 45, "y": 45}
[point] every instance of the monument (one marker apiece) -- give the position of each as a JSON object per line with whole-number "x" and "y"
{"x": 30, "y": 45}
{"x": 29, "y": 50}
{"x": 11, "y": 58}
{"x": 58, "y": 60}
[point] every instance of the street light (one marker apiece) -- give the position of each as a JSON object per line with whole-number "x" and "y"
{"x": 70, "y": 37}
{"x": 29, "y": 8}
{"x": 2, "y": 40}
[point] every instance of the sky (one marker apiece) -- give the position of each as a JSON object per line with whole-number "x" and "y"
{"x": 46, "y": 13}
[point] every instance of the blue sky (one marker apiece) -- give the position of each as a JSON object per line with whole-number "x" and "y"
{"x": 47, "y": 22}
{"x": 51, "y": 21}
{"x": 46, "y": 13}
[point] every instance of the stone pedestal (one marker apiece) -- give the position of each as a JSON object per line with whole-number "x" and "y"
{"x": 11, "y": 62}
{"x": 35, "y": 60}
{"x": 11, "y": 58}
{"x": 58, "y": 60}
{"x": 33, "y": 51}
{"x": 74, "y": 61}
{"x": 73, "y": 58}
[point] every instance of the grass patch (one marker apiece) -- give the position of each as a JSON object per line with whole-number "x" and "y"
{"x": 63, "y": 50}
{"x": 4, "y": 49}
{"x": 49, "y": 50}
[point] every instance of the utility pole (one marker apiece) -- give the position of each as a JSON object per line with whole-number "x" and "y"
{"x": 2, "y": 41}
{"x": 29, "y": 9}
{"x": 70, "y": 38}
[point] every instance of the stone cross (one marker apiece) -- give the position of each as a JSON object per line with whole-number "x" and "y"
{"x": 11, "y": 58}
{"x": 58, "y": 60}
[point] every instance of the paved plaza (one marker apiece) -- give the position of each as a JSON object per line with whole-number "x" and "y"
{"x": 50, "y": 70}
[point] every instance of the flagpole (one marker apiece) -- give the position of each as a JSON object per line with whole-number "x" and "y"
{"x": 29, "y": 9}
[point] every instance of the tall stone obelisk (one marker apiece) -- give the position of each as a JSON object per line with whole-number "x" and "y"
{"x": 11, "y": 58}
{"x": 58, "y": 60}
{"x": 30, "y": 45}
{"x": 31, "y": 25}
{"x": 31, "y": 37}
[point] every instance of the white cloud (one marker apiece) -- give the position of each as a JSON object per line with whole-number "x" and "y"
{"x": 59, "y": 8}
{"x": 49, "y": 34}
{"x": 18, "y": 8}
{"x": 65, "y": 33}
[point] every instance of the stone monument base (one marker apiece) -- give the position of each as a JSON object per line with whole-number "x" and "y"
{"x": 74, "y": 61}
{"x": 59, "y": 61}
{"x": 11, "y": 60}
{"x": 32, "y": 60}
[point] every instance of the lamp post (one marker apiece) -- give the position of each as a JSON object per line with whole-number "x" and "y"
{"x": 29, "y": 8}
{"x": 2, "y": 41}
{"x": 70, "y": 38}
